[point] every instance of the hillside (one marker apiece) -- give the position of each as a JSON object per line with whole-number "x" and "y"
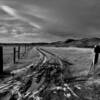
{"x": 85, "y": 42}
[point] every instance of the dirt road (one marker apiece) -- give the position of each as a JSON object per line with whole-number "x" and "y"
{"x": 22, "y": 82}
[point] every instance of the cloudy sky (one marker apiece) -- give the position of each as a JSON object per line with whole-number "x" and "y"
{"x": 52, "y": 20}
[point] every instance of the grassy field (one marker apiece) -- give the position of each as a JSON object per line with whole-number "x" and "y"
{"x": 80, "y": 58}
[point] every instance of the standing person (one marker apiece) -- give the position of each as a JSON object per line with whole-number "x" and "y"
{"x": 96, "y": 51}
{"x": 95, "y": 59}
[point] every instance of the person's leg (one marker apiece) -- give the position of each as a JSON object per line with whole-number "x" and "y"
{"x": 96, "y": 58}
{"x": 95, "y": 63}
{"x": 92, "y": 69}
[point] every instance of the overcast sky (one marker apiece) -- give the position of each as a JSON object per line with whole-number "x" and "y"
{"x": 53, "y": 20}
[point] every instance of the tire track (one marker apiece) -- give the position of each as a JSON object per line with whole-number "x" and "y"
{"x": 42, "y": 55}
{"x": 60, "y": 60}
{"x": 21, "y": 84}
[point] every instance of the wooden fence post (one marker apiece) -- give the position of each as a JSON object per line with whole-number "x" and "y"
{"x": 14, "y": 56}
{"x": 18, "y": 52}
{"x": 1, "y": 59}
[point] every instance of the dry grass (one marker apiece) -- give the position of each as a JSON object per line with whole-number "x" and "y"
{"x": 81, "y": 58}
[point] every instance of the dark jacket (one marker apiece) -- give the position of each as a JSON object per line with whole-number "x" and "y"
{"x": 97, "y": 49}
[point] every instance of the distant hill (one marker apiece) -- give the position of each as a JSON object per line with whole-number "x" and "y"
{"x": 85, "y": 42}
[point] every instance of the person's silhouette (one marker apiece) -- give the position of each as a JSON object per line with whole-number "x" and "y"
{"x": 92, "y": 69}
{"x": 96, "y": 51}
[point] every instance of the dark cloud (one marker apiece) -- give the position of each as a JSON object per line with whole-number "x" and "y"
{"x": 59, "y": 18}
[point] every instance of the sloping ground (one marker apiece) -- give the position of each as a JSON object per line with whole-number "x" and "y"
{"x": 30, "y": 57}
{"x": 81, "y": 61}
{"x": 22, "y": 74}
{"x": 47, "y": 81}
{"x": 80, "y": 58}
